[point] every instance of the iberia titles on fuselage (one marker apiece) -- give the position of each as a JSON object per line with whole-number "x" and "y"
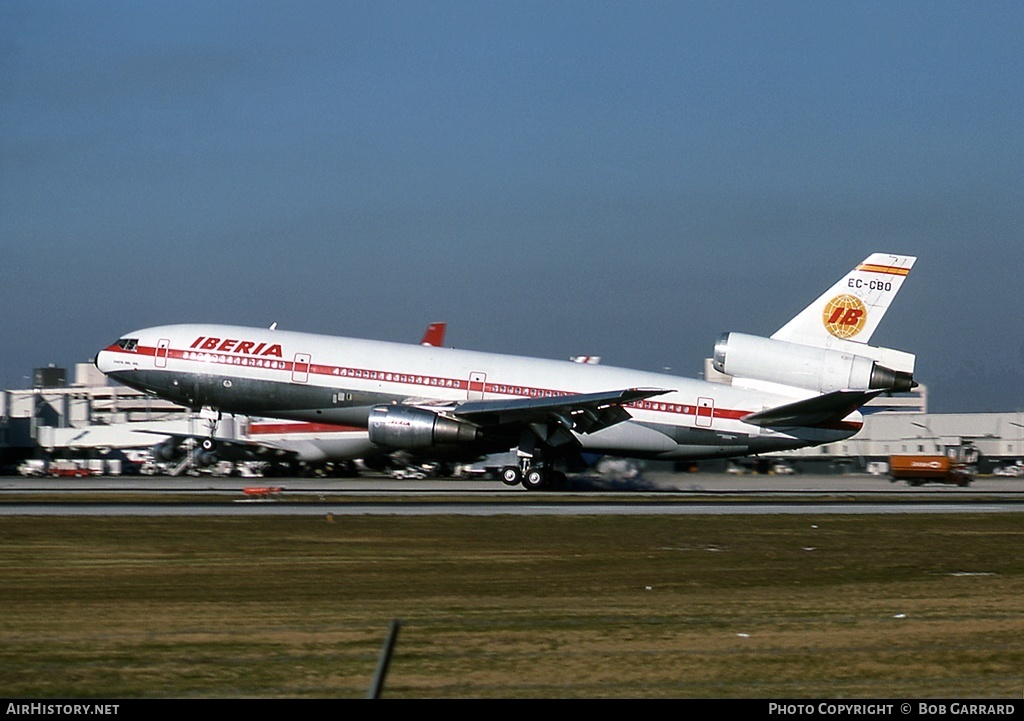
{"x": 802, "y": 386}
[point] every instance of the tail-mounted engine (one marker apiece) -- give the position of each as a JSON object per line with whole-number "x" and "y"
{"x": 802, "y": 366}
{"x": 406, "y": 427}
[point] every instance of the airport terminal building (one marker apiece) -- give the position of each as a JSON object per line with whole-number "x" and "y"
{"x": 87, "y": 418}
{"x": 998, "y": 439}
{"x": 91, "y": 419}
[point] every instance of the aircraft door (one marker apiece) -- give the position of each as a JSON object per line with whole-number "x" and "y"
{"x": 300, "y": 368}
{"x": 477, "y": 381}
{"x": 705, "y": 412}
{"x": 162, "y": 347}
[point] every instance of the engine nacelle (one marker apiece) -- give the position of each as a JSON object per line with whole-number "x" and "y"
{"x": 406, "y": 427}
{"x": 204, "y": 458}
{"x": 166, "y": 451}
{"x": 802, "y": 366}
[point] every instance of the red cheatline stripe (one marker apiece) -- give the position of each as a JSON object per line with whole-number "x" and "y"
{"x": 286, "y": 428}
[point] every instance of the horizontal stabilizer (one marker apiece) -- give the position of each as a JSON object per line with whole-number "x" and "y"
{"x": 821, "y": 410}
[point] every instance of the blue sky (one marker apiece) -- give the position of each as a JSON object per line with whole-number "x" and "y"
{"x": 624, "y": 179}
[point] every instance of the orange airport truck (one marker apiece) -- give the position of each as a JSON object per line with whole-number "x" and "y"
{"x": 916, "y": 470}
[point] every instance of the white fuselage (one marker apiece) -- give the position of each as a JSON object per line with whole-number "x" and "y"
{"x": 328, "y": 379}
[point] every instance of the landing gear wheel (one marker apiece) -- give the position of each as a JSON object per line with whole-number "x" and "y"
{"x": 535, "y": 479}
{"x": 511, "y": 476}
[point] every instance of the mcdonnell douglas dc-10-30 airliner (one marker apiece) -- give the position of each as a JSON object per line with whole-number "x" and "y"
{"x": 803, "y": 386}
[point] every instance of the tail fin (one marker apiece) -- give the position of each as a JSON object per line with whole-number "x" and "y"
{"x": 825, "y": 348}
{"x": 434, "y": 335}
{"x": 851, "y": 309}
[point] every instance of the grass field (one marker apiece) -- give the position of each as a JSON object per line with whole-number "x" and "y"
{"x": 659, "y": 606}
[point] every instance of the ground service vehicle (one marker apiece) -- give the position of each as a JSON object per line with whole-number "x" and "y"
{"x": 917, "y": 470}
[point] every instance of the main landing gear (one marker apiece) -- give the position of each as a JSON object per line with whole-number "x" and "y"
{"x": 532, "y": 478}
{"x": 534, "y": 471}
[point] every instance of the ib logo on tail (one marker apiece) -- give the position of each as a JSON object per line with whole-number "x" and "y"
{"x": 844, "y": 316}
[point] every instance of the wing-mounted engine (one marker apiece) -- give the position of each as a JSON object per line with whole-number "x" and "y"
{"x": 411, "y": 428}
{"x": 845, "y": 366}
{"x": 539, "y": 423}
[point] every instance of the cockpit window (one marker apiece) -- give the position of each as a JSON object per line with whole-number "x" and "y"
{"x": 128, "y": 343}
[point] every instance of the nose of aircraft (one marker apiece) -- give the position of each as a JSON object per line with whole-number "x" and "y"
{"x": 104, "y": 360}
{"x": 101, "y": 362}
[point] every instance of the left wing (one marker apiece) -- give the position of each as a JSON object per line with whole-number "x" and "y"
{"x": 578, "y": 412}
{"x": 529, "y": 423}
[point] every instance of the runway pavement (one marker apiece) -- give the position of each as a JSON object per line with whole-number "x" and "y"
{"x": 646, "y": 483}
{"x": 649, "y": 494}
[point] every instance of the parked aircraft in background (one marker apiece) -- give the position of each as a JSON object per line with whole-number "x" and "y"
{"x": 434, "y": 335}
{"x": 282, "y": 447}
{"x": 802, "y": 386}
